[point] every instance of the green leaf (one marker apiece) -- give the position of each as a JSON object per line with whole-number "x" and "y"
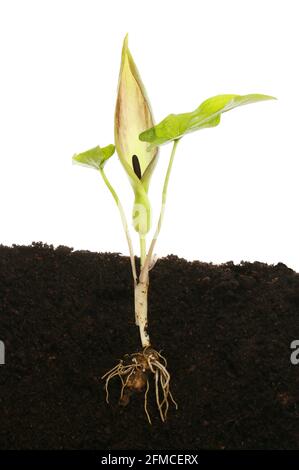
{"x": 208, "y": 114}
{"x": 95, "y": 157}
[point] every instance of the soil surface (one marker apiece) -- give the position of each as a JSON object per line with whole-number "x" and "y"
{"x": 66, "y": 317}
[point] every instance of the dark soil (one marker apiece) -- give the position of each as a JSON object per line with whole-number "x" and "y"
{"x": 66, "y": 318}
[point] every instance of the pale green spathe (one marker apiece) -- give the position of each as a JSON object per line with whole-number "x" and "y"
{"x": 133, "y": 115}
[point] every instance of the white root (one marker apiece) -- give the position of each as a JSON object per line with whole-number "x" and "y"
{"x": 148, "y": 361}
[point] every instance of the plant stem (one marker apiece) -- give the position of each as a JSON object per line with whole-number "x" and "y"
{"x": 146, "y": 265}
{"x": 141, "y": 289}
{"x": 141, "y": 293}
{"x": 142, "y": 250}
{"x": 124, "y": 223}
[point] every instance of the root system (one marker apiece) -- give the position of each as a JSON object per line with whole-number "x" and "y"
{"x": 136, "y": 371}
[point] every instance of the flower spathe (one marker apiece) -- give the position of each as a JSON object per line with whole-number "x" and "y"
{"x": 132, "y": 116}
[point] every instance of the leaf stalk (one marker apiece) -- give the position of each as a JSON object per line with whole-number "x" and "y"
{"x": 149, "y": 257}
{"x": 124, "y": 223}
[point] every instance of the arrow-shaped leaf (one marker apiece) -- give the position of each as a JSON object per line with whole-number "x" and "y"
{"x": 95, "y": 157}
{"x": 206, "y": 115}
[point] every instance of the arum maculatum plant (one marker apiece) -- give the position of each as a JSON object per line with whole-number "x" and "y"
{"x": 137, "y": 141}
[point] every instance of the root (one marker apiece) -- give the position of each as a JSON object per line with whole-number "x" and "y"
{"x": 134, "y": 372}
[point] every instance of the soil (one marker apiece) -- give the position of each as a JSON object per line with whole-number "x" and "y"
{"x": 67, "y": 316}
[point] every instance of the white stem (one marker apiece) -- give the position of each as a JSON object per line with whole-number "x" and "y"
{"x": 141, "y": 293}
{"x": 141, "y": 289}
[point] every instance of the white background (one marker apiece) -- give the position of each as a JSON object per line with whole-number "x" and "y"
{"x": 234, "y": 189}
